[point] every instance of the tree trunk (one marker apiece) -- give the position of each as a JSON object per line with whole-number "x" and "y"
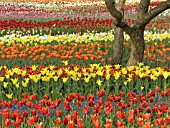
{"x": 118, "y": 38}
{"x": 118, "y": 46}
{"x": 137, "y": 47}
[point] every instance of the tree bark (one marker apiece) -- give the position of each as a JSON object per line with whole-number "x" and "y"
{"x": 118, "y": 38}
{"x": 118, "y": 46}
{"x": 137, "y": 47}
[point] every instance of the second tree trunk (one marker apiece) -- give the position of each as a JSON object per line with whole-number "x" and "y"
{"x": 137, "y": 47}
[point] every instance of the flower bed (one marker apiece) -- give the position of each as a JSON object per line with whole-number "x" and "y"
{"x": 55, "y": 68}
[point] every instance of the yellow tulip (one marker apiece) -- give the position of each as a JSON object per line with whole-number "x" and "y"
{"x": 51, "y": 67}
{"x": 165, "y": 74}
{"x": 117, "y": 75}
{"x": 141, "y": 87}
{"x": 140, "y": 64}
{"x": 17, "y": 85}
{"x": 99, "y": 82}
{"x": 117, "y": 66}
{"x": 107, "y": 76}
{"x": 125, "y": 82}
{"x": 86, "y": 79}
{"x": 5, "y": 84}
{"x": 34, "y": 67}
{"x": 24, "y": 84}
{"x": 153, "y": 77}
{"x": 55, "y": 78}
{"x": 9, "y": 96}
{"x": 124, "y": 71}
{"x": 23, "y": 73}
{"x": 45, "y": 78}
{"x": 65, "y": 79}
{"x": 65, "y": 62}
{"x": 14, "y": 81}
{"x": 99, "y": 72}
{"x": 1, "y": 79}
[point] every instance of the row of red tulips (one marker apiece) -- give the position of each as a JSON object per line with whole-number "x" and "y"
{"x": 76, "y": 23}
{"x": 136, "y": 110}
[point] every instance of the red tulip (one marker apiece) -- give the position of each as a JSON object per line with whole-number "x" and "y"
{"x": 42, "y": 102}
{"x": 121, "y": 94}
{"x": 151, "y": 99}
{"x": 81, "y": 98}
{"x": 147, "y": 125}
{"x": 167, "y": 92}
{"x": 119, "y": 123}
{"x": 5, "y": 114}
{"x": 164, "y": 126}
{"x": 20, "y": 104}
{"x": 149, "y": 110}
{"x": 29, "y": 104}
{"x": 100, "y": 101}
{"x": 15, "y": 100}
{"x": 108, "y": 123}
{"x": 120, "y": 114}
{"x": 144, "y": 104}
{"x": 96, "y": 124}
{"x": 90, "y": 97}
{"x": 24, "y": 95}
{"x": 33, "y": 97}
{"x": 67, "y": 104}
{"x": 157, "y": 89}
{"x": 159, "y": 114}
{"x": 78, "y": 103}
{"x": 167, "y": 119}
{"x": 161, "y": 94}
{"x": 131, "y": 119}
{"x": 94, "y": 117}
{"x": 80, "y": 123}
{"x": 132, "y": 113}
{"x": 33, "y": 112}
{"x": 147, "y": 116}
{"x": 70, "y": 124}
{"x": 30, "y": 121}
{"x": 108, "y": 110}
{"x": 140, "y": 121}
{"x": 101, "y": 93}
{"x": 91, "y": 102}
{"x": 25, "y": 113}
{"x": 156, "y": 122}
{"x": 155, "y": 108}
{"x": 97, "y": 108}
{"x": 57, "y": 101}
{"x": 36, "y": 118}
{"x": 164, "y": 107}
{"x": 159, "y": 122}
{"x": 39, "y": 125}
{"x": 134, "y": 101}
{"x": 58, "y": 113}
{"x": 7, "y": 122}
{"x": 85, "y": 109}
{"x": 67, "y": 118}
{"x": 46, "y": 96}
{"x": 58, "y": 121}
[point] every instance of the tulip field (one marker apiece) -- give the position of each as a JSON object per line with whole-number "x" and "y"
{"x": 56, "y": 72}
